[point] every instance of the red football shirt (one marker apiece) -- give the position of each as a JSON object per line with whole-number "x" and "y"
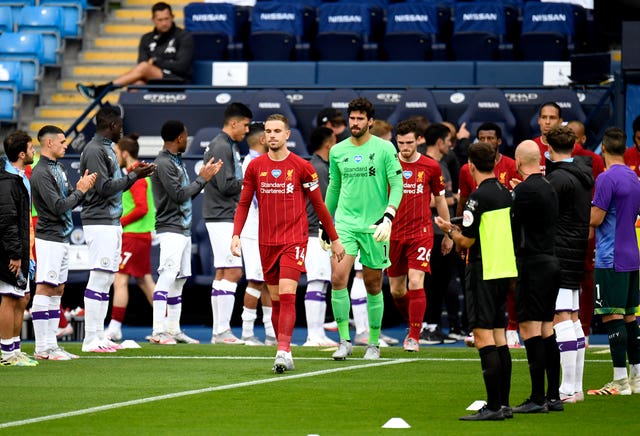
{"x": 281, "y": 188}
{"x": 597, "y": 163}
{"x": 420, "y": 178}
{"x": 504, "y": 170}
{"x": 632, "y": 159}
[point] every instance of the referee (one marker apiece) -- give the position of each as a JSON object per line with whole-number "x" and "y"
{"x": 486, "y": 228}
{"x": 534, "y": 215}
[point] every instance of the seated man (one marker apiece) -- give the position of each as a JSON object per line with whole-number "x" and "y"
{"x": 165, "y": 53}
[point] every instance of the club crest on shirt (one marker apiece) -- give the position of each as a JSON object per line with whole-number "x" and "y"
{"x": 467, "y": 218}
{"x": 407, "y": 174}
{"x": 263, "y": 174}
{"x": 105, "y": 262}
{"x": 289, "y": 175}
{"x": 276, "y": 173}
{"x": 357, "y": 158}
{"x": 420, "y": 176}
{"x": 52, "y": 275}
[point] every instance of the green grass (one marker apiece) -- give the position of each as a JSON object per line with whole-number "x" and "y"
{"x": 227, "y": 390}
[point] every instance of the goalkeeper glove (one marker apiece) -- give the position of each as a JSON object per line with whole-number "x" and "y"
{"x": 383, "y": 225}
{"x": 323, "y": 237}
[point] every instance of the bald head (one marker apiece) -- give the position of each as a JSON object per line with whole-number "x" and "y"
{"x": 528, "y": 158}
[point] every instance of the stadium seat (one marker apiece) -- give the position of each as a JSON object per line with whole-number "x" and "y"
{"x": 27, "y": 49}
{"x": 339, "y": 98}
{"x": 376, "y": 9}
{"x": 415, "y": 101}
{"x": 10, "y": 79}
{"x": 490, "y": 105}
{"x": 276, "y": 32}
{"x": 568, "y": 102}
{"x": 271, "y": 101}
{"x": 201, "y": 140}
{"x": 17, "y": 5}
{"x": 213, "y": 26}
{"x": 547, "y": 31}
{"x": 296, "y": 144}
{"x": 479, "y": 32}
{"x": 72, "y": 15}
{"x": 412, "y": 30}
{"x": 47, "y": 21}
{"x": 6, "y": 19}
{"x": 343, "y": 33}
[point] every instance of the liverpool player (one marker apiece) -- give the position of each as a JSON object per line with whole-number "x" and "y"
{"x": 281, "y": 182}
{"x": 412, "y": 235}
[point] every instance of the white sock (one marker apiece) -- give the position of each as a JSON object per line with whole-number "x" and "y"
{"x": 159, "y": 310}
{"x": 40, "y": 316}
{"x": 315, "y": 305}
{"x": 54, "y": 322}
{"x": 568, "y": 345}
{"x": 215, "y": 298}
{"x": 579, "y": 356}
{"x": 16, "y": 344}
{"x": 266, "y": 320}
{"x": 358, "y": 296}
{"x": 249, "y": 317}
{"x": 226, "y": 302}
{"x": 634, "y": 369}
{"x": 174, "y": 306}
{"x": 114, "y": 325}
{"x": 619, "y": 373}
{"x": 7, "y": 348}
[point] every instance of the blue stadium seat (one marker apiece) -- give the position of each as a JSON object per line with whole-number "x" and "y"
{"x": 201, "y": 140}
{"x": 47, "y": 21}
{"x": 445, "y": 11}
{"x": 296, "y": 144}
{"x": 490, "y": 105}
{"x": 343, "y": 33}
{"x": 339, "y": 98}
{"x": 271, "y": 101}
{"x": 376, "y": 10}
{"x": 213, "y": 26}
{"x": 6, "y": 19}
{"x": 10, "y": 79}
{"x": 276, "y": 32}
{"x": 17, "y": 5}
{"x": 547, "y": 31}
{"x": 72, "y": 15}
{"x": 567, "y": 100}
{"x": 415, "y": 101}
{"x": 28, "y": 49}
{"x": 479, "y": 32}
{"x": 412, "y": 33}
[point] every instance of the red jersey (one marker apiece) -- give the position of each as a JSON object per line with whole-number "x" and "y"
{"x": 632, "y": 159}
{"x": 597, "y": 163}
{"x": 504, "y": 170}
{"x": 281, "y": 188}
{"x": 420, "y": 178}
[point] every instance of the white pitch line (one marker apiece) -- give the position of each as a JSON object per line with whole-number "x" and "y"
{"x": 192, "y": 392}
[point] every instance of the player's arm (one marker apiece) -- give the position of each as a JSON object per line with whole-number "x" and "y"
{"x": 140, "y": 206}
{"x": 105, "y": 185}
{"x": 453, "y": 232}
{"x": 45, "y": 184}
{"x": 333, "y": 189}
{"x": 225, "y": 180}
{"x": 597, "y": 216}
{"x": 394, "y": 178}
{"x": 242, "y": 210}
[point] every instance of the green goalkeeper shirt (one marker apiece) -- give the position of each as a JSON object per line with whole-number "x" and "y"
{"x": 363, "y": 181}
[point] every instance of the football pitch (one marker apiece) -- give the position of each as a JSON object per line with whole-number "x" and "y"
{"x": 228, "y": 390}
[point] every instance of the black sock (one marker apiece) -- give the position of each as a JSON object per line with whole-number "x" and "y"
{"x": 617, "y": 332}
{"x": 535, "y": 357}
{"x": 505, "y": 374}
{"x": 490, "y": 361}
{"x": 633, "y": 342}
{"x": 552, "y": 367}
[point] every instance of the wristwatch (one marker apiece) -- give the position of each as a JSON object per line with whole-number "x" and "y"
{"x": 449, "y": 233}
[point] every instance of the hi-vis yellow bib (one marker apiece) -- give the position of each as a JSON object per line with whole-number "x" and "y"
{"x": 498, "y": 258}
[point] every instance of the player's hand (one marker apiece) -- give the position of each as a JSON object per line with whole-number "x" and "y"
{"x": 383, "y": 225}
{"x": 514, "y": 182}
{"x": 236, "y": 248}
{"x": 337, "y": 250}
{"x": 86, "y": 182}
{"x": 210, "y": 169}
{"x": 447, "y": 245}
{"x": 144, "y": 170}
{"x": 463, "y": 132}
{"x": 323, "y": 238}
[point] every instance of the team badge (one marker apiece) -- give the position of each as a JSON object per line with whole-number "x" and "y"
{"x": 276, "y": 173}
{"x": 467, "y": 218}
{"x": 407, "y": 174}
{"x": 52, "y": 275}
{"x": 420, "y": 176}
{"x": 289, "y": 175}
{"x": 105, "y": 262}
{"x": 357, "y": 158}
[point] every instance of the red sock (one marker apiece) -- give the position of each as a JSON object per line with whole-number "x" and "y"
{"x": 287, "y": 321}
{"x": 417, "y": 307}
{"x": 63, "y": 319}
{"x": 117, "y": 313}
{"x": 402, "y": 304}
{"x": 275, "y": 315}
{"x": 511, "y": 309}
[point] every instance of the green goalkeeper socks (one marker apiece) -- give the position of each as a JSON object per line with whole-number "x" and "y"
{"x": 375, "y": 308}
{"x": 341, "y": 305}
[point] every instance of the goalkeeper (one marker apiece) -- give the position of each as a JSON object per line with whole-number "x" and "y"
{"x": 365, "y": 189}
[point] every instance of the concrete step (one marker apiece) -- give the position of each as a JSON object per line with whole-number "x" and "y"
{"x": 141, "y": 14}
{"x": 111, "y": 71}
{"x": 76, "y": 98}
{"x": 109, "y": 56}
{"x": 127, "y": 29}
{"x": 60, "y": 111}
{"x": 175, "y": 5}
{"x": 117, "y": 42}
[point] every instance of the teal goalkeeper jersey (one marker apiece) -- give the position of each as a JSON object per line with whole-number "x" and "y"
{"x": 363, "y": 181}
